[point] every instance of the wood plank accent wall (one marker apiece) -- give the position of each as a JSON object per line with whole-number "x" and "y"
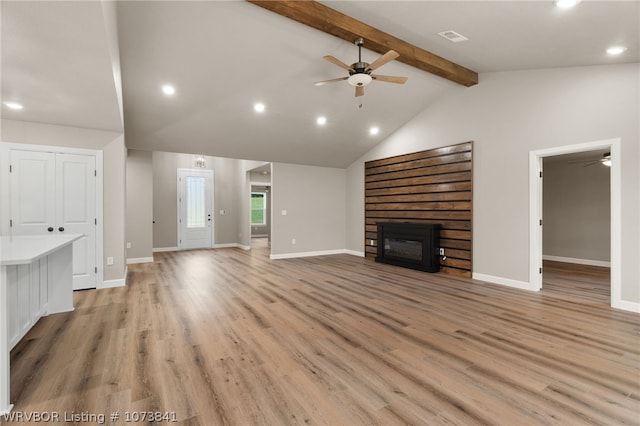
{"x": 433, "y": 186}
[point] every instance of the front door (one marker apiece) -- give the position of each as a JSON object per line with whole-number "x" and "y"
{"x": 195, "y": 208}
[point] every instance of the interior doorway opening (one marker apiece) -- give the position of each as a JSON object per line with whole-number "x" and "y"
{"x": 576, "y": 230}
{"x": 536, "y": 197}
{"x": 260, "y": 206}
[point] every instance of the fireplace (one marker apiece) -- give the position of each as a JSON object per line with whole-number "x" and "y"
{"x": 412, "y": 245}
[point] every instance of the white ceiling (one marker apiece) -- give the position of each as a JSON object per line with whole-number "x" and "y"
{"x": 224, "y": 56}
{"x": 55, "y": 61}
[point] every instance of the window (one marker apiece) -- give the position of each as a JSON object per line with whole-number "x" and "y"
{"x": 258, "y": 208}
{"x": 195, "y": 202}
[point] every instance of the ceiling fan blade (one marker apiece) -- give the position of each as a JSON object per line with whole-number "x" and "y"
{"x": 359, "y": 91}
{"x": 390, "y": 78}
{"x": 337, "y": 62}
{"x": 387, "y": 57}
{"x": 335, "y": 80}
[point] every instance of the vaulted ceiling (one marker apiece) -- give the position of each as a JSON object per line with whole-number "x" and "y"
{"x": 222, "y": 57}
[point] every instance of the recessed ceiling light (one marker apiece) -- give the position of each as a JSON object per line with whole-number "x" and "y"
{"x": 13, "y": 105}
{"x": 321, "y": 121}
{"x": 168, "y": 90}
{"x": 566, "y": 4}
{"x": 616, "y": 50}
{"x": 259, "y": 107}
{"x": 374, "y": 131}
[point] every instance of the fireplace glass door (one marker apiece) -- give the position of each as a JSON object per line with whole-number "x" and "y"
{"x": 402, "y": 248}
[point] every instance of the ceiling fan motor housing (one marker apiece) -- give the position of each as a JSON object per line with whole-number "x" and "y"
{"x": 358, "y": 75}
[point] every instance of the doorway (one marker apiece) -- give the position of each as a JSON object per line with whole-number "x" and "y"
{"x": 195, "y": 208}
{"x": 576, "y": 212}
{"x": 260, "y": 197}
{"x": 536, "y": 211}
{"x": 55, "y": 190}
{"x": 261, "y": 213}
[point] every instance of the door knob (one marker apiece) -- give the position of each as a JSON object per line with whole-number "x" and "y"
{"x": 50, "y": 229}
{"x": 61, "y": 229}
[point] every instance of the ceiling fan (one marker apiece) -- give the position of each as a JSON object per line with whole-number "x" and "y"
{"x": 605, "y": 160}
{"x": 360, "y": 72}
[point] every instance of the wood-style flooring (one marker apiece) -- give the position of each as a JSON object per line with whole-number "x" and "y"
{"x": 589, "y": 284}
{"x": 229, "y": 337}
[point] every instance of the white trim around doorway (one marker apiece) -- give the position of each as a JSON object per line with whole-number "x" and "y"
{"x": 535, "y": 214}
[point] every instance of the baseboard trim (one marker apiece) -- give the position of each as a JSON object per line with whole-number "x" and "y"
{"x": 355, "y": 253}
{"x": 225, "y": 245}
{"x": 120, "y": 282}
{"x": 231, "y": 245}
{"x": 508, "y": 282}
{"x": 626, "y": 306}
{"x": 307, "y": 254}
{"x": 161, "y": 249}
{"x": 577, "y": 261}
{"x": 133, "y": 260}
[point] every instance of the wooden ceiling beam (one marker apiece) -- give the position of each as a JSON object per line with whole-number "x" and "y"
{"x": 332, "y": 22}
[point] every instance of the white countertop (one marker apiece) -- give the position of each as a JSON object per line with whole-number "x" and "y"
{"x": 24, "y": 249}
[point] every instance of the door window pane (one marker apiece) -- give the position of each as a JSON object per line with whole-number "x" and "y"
{"x": 195, "y": 202}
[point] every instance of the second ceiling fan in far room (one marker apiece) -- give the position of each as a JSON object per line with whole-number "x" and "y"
{"x": 360, "y": 72}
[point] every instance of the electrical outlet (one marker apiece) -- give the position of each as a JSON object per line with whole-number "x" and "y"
{"x": 128, "y": 245}
{"x": 371, "y": 243}
{"x": 109, "y": 261}
{"x": 441, "y": 252}
{"x": 293, "y": 241}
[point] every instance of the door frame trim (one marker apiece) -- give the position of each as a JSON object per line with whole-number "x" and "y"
{"x": 535, "y": 212}
{"x": 5, "y": 193}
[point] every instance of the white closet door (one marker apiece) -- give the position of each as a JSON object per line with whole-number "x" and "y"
{"x": 56, "y": 193}
{"x": 33, "y": 192}
{"x": 76, "y": 212}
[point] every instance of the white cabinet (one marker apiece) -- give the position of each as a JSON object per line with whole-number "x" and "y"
{"x": 27, "y": 296}
{"x": 35, "y": 280}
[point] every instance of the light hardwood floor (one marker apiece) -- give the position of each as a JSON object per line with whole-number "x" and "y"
{"x": 583, "y": 283}
{"x": 229, "y": 337}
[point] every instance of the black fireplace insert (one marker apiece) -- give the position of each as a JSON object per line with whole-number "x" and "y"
{"x": 411, "y": 245}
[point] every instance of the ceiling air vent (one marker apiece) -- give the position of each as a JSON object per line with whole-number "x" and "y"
{"x": 453, "y": 36}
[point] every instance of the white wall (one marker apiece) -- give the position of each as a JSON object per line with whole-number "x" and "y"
{"x": 508, "y": 115}
{"x": 314, "y": 198}
{"x": 576, "y": 211}
{"x": 139, "y": 205}
{"x": 115, "y": 175}
{"x": 49, "y": 134}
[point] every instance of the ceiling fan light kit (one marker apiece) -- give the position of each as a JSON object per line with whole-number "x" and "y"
{"x": 360, "y": 72}
{"x": 359, "y": 79}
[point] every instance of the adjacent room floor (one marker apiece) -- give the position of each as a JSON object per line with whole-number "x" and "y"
{"x": 589, "y": 284}
{"x": 227, "y": 336}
